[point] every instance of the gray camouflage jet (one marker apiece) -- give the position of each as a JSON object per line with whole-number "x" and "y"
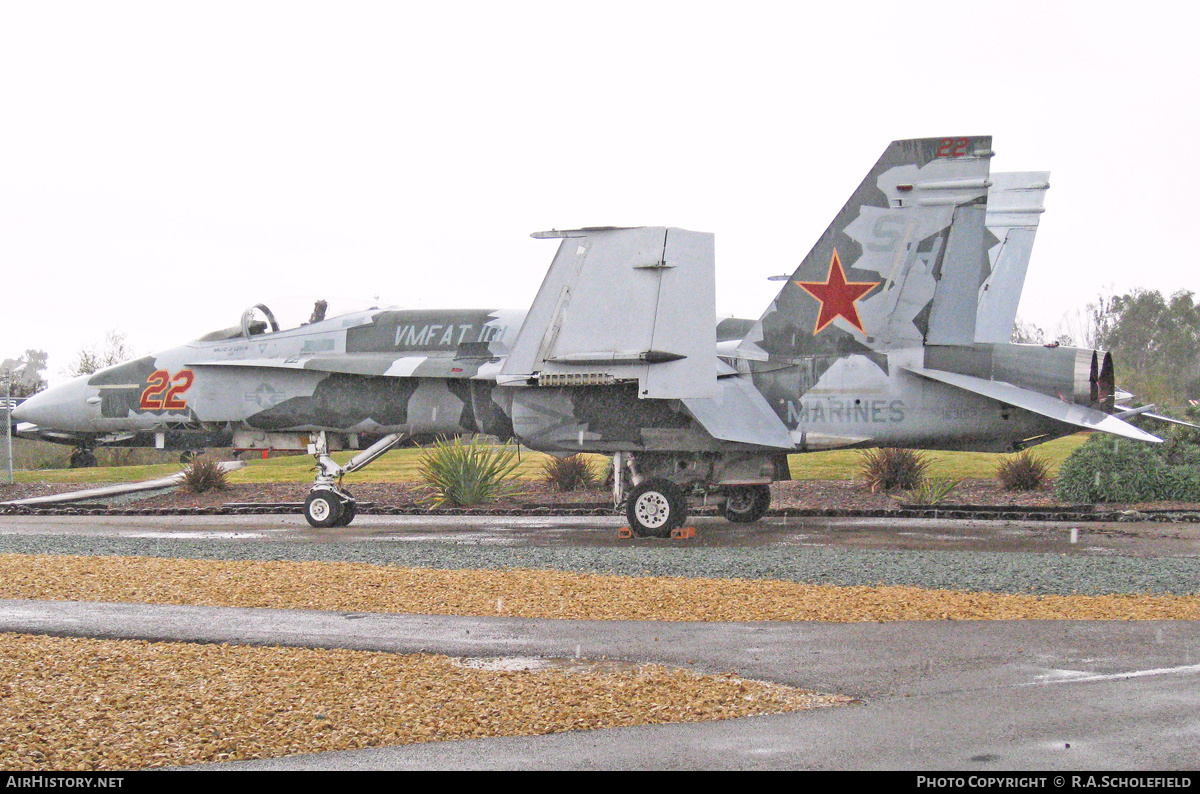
{"x": 892, "y": 332}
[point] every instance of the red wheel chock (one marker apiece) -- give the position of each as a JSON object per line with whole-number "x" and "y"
{"x": 677, "y": 534}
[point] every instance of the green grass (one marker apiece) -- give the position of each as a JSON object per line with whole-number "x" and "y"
{"x": 31, "y": 455}
{"x": 401, "y": 466}
{"x": 98, "y": 474}
{"x": 845, "y": 464}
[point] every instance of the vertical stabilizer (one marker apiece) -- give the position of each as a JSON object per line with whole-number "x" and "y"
{"x": 904, "y": 259}
{"x": 1015, "y": 204}
{"x": 622, "y": 305}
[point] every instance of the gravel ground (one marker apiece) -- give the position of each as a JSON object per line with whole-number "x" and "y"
{"x": 104, "y": 704}
{"x": 969, "y": 571}
{"x": 996, "y": 572}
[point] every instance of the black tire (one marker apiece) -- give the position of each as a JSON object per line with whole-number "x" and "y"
{"x": 745, "y": 504}
{"x": 323, "y": 509}
{"x": 655, "y": 508}
{"x": 349, "y": 511}
{"x": 83, "y": 459}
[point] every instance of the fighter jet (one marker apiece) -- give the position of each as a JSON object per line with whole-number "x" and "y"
{"x": 892, "y": 332}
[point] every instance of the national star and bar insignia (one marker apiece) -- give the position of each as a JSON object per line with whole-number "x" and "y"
{"x": 837, "y": 296}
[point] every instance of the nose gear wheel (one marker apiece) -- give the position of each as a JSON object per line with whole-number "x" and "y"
{"x": 325, "y": 508}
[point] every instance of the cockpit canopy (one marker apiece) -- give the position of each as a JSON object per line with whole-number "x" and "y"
{"x": 259, "y": 319}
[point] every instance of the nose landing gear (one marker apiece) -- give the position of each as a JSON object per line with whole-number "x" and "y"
{"x": 329, "y": 507}
{"x": 328, "y": 504}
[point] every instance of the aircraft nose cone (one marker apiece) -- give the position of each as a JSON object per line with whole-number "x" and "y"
{"x": 63, "y": 407}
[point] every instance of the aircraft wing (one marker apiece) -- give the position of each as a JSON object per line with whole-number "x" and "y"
{"x": 622, "y": 305}
{"x": 1038, "y": 403}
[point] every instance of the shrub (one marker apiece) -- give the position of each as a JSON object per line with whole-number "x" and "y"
{"x": 203, "y": 474}
{"x": 572, "y": 473}
{"x": 1023, "y": 472}
{"x": 1108, "y": 469}
{"x": 465, "y": 473}
{"x": 888, "y": 469}
{"x": 1182, "y": 443}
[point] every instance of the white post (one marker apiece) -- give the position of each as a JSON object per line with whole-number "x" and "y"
{"x": 618, "y": 483}
{"x": 8, "y": 426}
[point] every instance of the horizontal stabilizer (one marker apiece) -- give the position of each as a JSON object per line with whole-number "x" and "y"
{"x": 1038, "y": 403}
{"x": 739, "y": 413}
{"x": 1146, "y": 410}
{"x": 1170, "y": 420}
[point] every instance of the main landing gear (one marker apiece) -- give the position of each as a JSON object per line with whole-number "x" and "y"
{"x": 745, "y": 504}
{"x": 83, "y": 458}
{"x": 655, "y": 507}
{"x": 655, "y": 489}
{"x": 328, "y": 503}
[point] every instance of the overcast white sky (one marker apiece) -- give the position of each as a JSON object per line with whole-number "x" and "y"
{"x": 163, "y": 164}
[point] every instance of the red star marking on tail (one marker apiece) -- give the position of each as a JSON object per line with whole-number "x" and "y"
{"x": 837, "y": 296}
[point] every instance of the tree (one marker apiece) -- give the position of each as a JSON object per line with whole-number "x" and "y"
{"x": 113, "y": 350}
{"x": 1155, "y": 344}
{"x": 23, "y": 376}
{"x": 1155, "y": 341}
{"x": 1076, "y": 328}
{"x": 1084, "y": 327}
{"x": 1027, "y": 333}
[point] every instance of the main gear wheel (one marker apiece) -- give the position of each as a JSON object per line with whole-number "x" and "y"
{"x": 655, "y": 508}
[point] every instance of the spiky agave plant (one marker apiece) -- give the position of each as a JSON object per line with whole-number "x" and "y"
{"x": 204, "y": 474}
{"x": 1023, "y": 472}
{"x": 465, "y": 473}
{"x": 887, "y": 469}
{"x": 571, "y": 473}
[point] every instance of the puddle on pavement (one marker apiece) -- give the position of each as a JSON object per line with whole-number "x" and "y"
{"x": 533, "y": 664}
